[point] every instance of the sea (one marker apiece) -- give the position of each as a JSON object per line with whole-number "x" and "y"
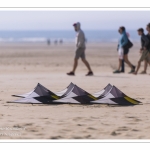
{"x": 65, "y": 36}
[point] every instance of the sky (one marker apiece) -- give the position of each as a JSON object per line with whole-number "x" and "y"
{"x": 63, "y": 20}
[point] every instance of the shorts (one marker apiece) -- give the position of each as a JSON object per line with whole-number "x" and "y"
{"x": 80, "y": 52}
{"x": 126, "y": 51}
{"x": 120, "y": 53}
{"x": 145, "y": 56}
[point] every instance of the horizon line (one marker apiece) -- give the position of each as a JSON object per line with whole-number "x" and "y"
{"x": 60, "y": 29}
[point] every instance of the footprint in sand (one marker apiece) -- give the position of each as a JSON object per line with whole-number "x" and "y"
{"x": 132, "y": 123}
{"x": 114, "y": 133}
{"x": 124, "y": 128}
{"x": 130, "y": 117}
{"x": 105, "y": 124}
{"x": 87, "y": 119}
{"x": 134, "y": 118}
{"x": 77, "y": 137}
{"x": 94, "y": 117}
{"x": 141, "y": 137}
{"x": 79, "y": 124}
{"x": 91, "y": 128}
{"x": 88, "y": 137}
{"x": 56, "y": 137}
{"x": 135, "y": 130}
{"x": 32, "y": 129}
{"x": 128, "y": 135}
{"x": 17, "y": 126}
{"x": 44, "y": 118}
{"x": 65, "y": 130}
{"x": 28, "y": 124}
{"x": 77, "y": 118}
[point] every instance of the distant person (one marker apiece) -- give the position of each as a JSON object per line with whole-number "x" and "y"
{"x": 80, "y": 50}
{"x": 48, "y": 42}
{"x": 148, "y": 35}
{"x": 60, "y": 41}
{"x": 55, "y": 42}
{"x": 145, "y": 62}
{"x": 144, "y": 49}
{"x": 123, "y": 51}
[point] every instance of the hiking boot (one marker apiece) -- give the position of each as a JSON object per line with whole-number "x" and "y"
{"x": 117, "y": 71}
{"x": 132, "y": 70}
{"x": 70, "y": 73}
{"x": 90, "y": 73}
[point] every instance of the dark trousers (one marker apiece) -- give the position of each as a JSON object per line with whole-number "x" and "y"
{"x": 122, "y": 67}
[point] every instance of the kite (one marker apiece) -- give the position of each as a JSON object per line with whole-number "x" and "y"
{"x": 116, "y": 97}
{"x": 60, "y": 93}
{"x": 66, "y": 90}
{"x": 41, "y": 93}
{"x": 103, "y": 92}
{"x": 76, "y": 95}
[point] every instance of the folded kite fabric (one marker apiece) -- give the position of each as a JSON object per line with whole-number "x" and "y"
{"x": 75, "y": 95}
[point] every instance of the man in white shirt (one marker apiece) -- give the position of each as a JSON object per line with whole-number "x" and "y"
{"x": 80, "y": 50}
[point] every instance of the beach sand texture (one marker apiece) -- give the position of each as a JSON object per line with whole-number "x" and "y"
{"x": 22, "y": 66}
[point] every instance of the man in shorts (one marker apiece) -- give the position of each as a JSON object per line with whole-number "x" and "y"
{"x": 148, "y": 36}
{"x": 144, "y": 49}
{"x": 80, "y": 50}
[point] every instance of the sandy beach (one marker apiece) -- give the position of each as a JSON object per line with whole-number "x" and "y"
{"x": 22, "y": 66}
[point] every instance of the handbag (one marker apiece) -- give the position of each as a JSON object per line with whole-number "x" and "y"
{"x": 128, "y": 45}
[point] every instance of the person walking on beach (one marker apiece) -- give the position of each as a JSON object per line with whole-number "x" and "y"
{"x": 148, "y": 36}
{"x": 48, "y": 42}
{"x": 123, "y": 50}
{"x": 126, "y": 51}
{"x": 144, "y": 49}
{"x": 145, "y": 62}
{"x": 80, "y": 50}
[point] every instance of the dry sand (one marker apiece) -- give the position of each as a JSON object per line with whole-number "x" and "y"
{"x": 22, "y": 66}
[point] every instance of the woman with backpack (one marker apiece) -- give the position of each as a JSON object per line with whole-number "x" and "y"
{"x": 123, "y": 50}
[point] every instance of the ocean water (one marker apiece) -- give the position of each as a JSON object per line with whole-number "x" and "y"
{"x": 66, "y": 36}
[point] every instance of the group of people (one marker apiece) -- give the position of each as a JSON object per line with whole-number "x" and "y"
{"x": 123, "y": 50}
{"x": 55, "y": 42}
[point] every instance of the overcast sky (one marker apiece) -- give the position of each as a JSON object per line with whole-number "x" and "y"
{"x": 63, "y": 20}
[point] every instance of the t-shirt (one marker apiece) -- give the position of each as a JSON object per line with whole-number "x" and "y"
{"x": 144, "y": 41}
{"x": 148, "y": 47}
